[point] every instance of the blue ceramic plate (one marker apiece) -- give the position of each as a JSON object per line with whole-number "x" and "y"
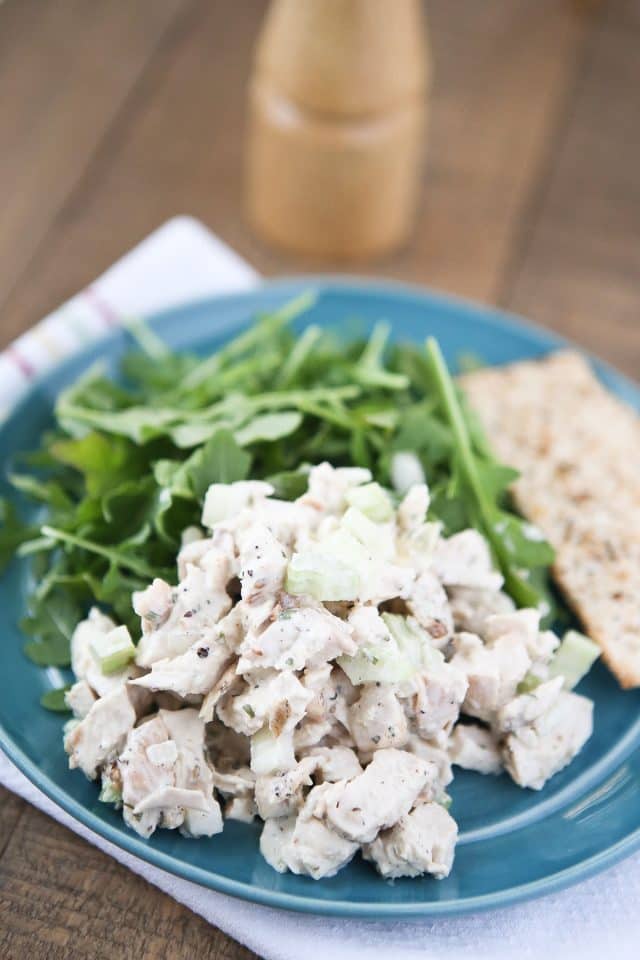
{"x": 514, "y": 844}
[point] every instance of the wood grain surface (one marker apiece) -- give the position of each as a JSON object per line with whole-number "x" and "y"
{"x": 115, "y": 116}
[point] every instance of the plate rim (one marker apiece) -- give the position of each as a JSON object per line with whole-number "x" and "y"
{"x": 363, "y": 910}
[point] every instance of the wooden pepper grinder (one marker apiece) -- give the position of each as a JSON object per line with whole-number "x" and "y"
{"x": 337, "y": 123}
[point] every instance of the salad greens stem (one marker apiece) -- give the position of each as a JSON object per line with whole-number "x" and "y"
{"x": 257, "y": 334}
{"x": 489, "y": 514}
{"x": 115, "y": 556}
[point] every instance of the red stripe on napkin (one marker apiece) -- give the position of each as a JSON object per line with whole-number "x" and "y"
{"x": 23, "y": 365}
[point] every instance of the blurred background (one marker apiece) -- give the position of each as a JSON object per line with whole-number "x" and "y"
{"x": 117, "y": 115}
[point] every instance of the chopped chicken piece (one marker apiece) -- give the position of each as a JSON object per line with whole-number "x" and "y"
{"x": 520, "y": 626}
{"x": 316, "y": 680}
{"x": 80, "y": 698}
{"x": 537, "y": 751}
{"x": 377, "y": 720}
{"x": 369, "y": 629}
{"x": 387, "y": 582}
{"x": 154, "y": 604}
{"x": 378, "y": 797}
{"x": 439, "y": 757}
{"x": 427, "y": 601}
{"x": 230, "y": 628}
{"x": 308, "y": 733}
{"x": 422, "y": 841}
{"x": 241, "y": 808}
{"x": 475, "y": 748}
{"x": 193, "y": 772}
{"x": 493, "y": 672}
{"x": 263, "y": 565}
{"x": 230, "y": 682}
{"x": 335, "y": 763}
{"x": 435, "y": 699}
{"x": 274, "y": 842}
{"x": 193, "y": 619}
{"x": 234, "y": 783}
{"x": 290, "y": 523}
{"x": 280, "y": 795}
{"x": 470, "y": 607}
{"x": 192, "y": 673}
{"x": 300, "y": 637}
{"x": 276, "y": 699}
{"x": 306, "y": 845}
{"x": 527, "y": 707}
{"x": 101, "y": 734}
{"x": 413, "y": 508}
{"x": 464, "y": 560}
{"x": 210, "y": 553}
{"x": 141, "y": 777}
{"x": 328, "y": 487}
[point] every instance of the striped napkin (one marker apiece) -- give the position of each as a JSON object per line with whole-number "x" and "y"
{"x": 180, "y": 261}
{"x": 183, "y": 261}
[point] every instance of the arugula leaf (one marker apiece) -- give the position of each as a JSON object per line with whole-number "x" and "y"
{"x": 481, "y": 483}
{"x": 269, "y": 426}
{"x": 496, "y": 478}
{"x": 138, "y": 423}
{"x": 117, "y": 556}
{"x": 54, "y": 700}
{"x": 12, "y": 532}
{"x": 104, "y": 462}
{"x": 52, "y": 620}
{"x": 370, "y": 370}
{"x": 299, "y": 356}
{"x": 44, "y": 491}
{"x": 220, "y": 460}
{"x": 290, "y": 484}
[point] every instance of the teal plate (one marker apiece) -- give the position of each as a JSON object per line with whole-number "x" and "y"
{"x": 514, "y": 844}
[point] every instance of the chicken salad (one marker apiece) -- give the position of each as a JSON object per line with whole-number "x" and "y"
{"x": 311, "y": 654}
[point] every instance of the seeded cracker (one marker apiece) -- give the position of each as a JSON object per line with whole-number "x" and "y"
{"x": 579, "y": 452}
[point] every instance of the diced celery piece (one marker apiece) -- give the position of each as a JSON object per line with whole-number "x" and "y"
{"x": 413, "y": 642}
{"x": 331, "y": 571}
{"x": 375, "y": 538}
{"x": 574, "y": 658}
{"x": 529, "y": 683}
{"x": 224, "y": 500}
{"x": 445, "y": 800}
{"x": 109, "y": 793}
{"x": 342, "y": 545}
{"x": 406, "y": 471}
{"x": 321, "y": 576}
{"x": 270, "y": 754}
{"x": 379, "y": 663}
{"x": 113, "y": 650}
{"x": 407, "y": 652}
{"x": 425, "y": 539}
{"x": 372, "y": 500}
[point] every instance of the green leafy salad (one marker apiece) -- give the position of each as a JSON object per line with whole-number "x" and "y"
{"x": 125, "y": 467}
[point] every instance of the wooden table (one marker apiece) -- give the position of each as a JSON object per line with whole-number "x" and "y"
{"x": 115, "y": 116}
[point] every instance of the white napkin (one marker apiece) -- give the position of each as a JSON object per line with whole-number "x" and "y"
{"x": 183, "y": 261}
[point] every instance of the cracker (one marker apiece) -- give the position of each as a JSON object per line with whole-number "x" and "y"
{"x": 578, "y": 449}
